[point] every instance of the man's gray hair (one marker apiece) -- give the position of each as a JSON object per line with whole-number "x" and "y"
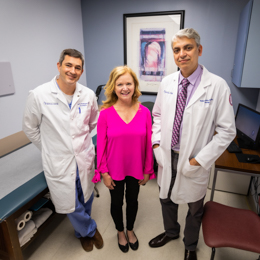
{"x": 189, "y": 33}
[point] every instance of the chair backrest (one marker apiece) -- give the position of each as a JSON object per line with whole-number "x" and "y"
{"x": 100, "y": 94}
{"x": 149, "y": 105}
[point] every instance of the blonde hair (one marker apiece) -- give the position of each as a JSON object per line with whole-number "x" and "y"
{"x": 111, "y": 84}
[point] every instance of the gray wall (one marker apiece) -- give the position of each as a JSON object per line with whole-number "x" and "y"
{"x": 33, "y": 33}
{"x": 216, "y": 21}
{"x": 258, "y": 103}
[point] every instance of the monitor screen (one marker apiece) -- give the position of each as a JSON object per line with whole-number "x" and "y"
{"x": 247, "y": 123}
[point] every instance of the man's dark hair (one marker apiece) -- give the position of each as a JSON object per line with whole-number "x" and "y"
{"x": 72, "y": 53}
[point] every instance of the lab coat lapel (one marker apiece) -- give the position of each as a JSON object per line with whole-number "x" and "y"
{"x": 172, "y": 103}
{"x": 175, "y": 91}
{"x": 76, "y": 95}
{"x": 201, "y": 90}
{"x": 57, "y": 92}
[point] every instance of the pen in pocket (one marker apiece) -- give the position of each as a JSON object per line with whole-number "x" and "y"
{"x": 79, "y": 110}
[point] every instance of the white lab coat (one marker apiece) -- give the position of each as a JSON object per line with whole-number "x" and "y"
{"x": 63, "y": 136}
{"x": 210, "y": 109}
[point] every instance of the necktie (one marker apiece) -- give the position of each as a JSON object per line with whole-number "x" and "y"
{"x": 181, "y": 102}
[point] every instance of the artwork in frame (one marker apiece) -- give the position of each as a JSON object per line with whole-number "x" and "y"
{"x": 147, "y": 46}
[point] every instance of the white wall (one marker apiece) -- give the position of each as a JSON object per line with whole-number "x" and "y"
{"x": 32, "y": 36}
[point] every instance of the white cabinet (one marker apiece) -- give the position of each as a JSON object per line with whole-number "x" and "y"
{"x": 246, "y": 65}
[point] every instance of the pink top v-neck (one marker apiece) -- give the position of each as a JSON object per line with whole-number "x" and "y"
{"x": 125, "y": 149}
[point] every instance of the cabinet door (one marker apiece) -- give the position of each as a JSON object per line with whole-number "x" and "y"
{"x": 241, "y": 46}
{"x": 250, "y": 78}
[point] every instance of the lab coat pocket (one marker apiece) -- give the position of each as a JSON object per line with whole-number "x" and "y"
{"x": 158, "y": 155}
{"x": 83, "y": 118}
{"x": 200, "y": 113}
{"x": 89, "y": 157}
{"x": 191, "y": 171}
{"x": 55, "y": 166}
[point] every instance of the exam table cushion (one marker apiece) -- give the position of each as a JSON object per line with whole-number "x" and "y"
{"x": 20, "y": 196}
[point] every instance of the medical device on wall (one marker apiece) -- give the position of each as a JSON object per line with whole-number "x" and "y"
{"x": 248, "y": 127}
{"x": 6, "y": 79}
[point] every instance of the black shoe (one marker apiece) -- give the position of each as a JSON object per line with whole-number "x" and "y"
{"x": 190, "y": 255}
{"x": 161, "y": 240}
{"x": 134, "y": 246}
{"x": 124, "y": 248}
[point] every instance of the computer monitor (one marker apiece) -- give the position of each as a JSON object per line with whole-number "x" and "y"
{"x": 248, "y": 125}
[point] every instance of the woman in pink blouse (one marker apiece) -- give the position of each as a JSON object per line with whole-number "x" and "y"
{"x": 124, "y": 149}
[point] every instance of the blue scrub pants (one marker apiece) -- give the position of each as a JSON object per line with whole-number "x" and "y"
{"x": 80, "y": 219}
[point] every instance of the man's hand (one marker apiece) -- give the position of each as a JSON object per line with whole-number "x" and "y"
{"x": 155, "y": 146}
{"x": 194, "y": 162}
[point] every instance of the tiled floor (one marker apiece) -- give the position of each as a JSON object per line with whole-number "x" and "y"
{"x": 58, "y": 242}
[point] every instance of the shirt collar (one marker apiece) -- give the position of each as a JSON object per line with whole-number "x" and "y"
{"x": 78, "y": 87}
{"x": 193, "y": 77}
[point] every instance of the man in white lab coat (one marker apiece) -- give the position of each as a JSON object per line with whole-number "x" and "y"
{"x": 59, "y": 117}
{"x": 185, "y": 153}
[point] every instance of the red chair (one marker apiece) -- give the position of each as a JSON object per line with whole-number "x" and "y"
{"x": 224, "y": 226}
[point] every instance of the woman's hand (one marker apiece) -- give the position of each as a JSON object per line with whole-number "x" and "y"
{"x": 146, "y": 179}
{"x": 109, "y": 183}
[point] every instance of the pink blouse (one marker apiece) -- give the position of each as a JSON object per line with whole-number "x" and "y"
{"x": 125, "y": 149}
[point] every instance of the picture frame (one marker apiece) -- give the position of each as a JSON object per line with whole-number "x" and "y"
{"x": 147, "y": 46}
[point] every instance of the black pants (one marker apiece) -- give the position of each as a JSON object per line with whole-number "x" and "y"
{"x": 131, "y": 187}
{"x": 170, "y": 214}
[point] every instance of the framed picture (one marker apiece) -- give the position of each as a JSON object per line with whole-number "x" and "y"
{"x": 147, "y": 46}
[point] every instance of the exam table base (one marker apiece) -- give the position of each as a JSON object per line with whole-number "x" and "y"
{"x": 9, "y": 243}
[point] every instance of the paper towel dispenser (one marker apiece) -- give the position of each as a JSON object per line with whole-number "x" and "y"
{"x": 6, "y": 79}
